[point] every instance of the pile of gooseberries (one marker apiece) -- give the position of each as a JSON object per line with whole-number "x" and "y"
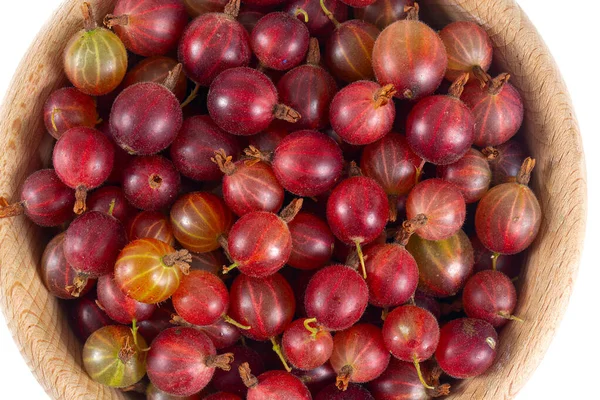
{"x": 281, "y": 209}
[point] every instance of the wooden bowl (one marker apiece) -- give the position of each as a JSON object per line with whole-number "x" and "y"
{"x": 39, "y": 323}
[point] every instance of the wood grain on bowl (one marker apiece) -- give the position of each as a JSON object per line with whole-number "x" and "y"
{"x": 39, "y": 323}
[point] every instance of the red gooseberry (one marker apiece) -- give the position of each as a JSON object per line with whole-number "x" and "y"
{"x": 67, "y": 108}
{"x": 312, "y": 242}
{"x": 508, "y": 217}
{"x": 359, "y": 355}
{"x": 411, "y": 56}
{"x": 85, "y": 317}
{"x": 305, "y": 346}
{"x": 222, "y": 333}
{"x": 318, "y": 378}
{"x": 249, "y": 19}
{"x": 318, "y": 24}
{"x": 510, "y": 265}
{"x": 118, "y": 306}
{"x": 199, "y": 7}
{"x": 471, "y": 175}
{"x": 382, "y": 13}
{"x": 467, "y": 347}
{"x": 156, "y": 69}
{"x": 273, "y": 385}
{"x": 148, "y": 27}
{"x": 190, "y": 355}
{"x": 111, "y": 199}
{"x": 150, "y": 224}
{"x": 505, "y": 161}
{"x": 353, "y": 392}
{"x": 231, "y": 381}
{"x": 468, "y": 47}
{"x": 160, "y": 320}
{"x": 268, "y": 140}
{"x": 45, "y": 199}
{"x": 151, "y": 182}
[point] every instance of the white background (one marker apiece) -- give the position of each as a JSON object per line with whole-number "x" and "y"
{"x": 570, "y": 368}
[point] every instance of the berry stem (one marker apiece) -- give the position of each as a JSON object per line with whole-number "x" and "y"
{"x": 494, "y": 258}
{"x": 490, "y": 153}
{"x": 300, "y": 11}
{"x": 361, "y": 258}
{"x": 224, "y": 162}
{"x": 89, "y": 19}
{"x": 409, "y": 227}
{"x": 80, "y": 198}
{"x": 171, "y": 80}
{"x": 286, "y": 113}
{"x": 111, "y": 207}
{"x": 408, "y": 94}
{"x": 246, "y": 375}
{"x": 180, "y": 259}
{"x": 329, "y": 14}
{"x": 354, "y": 170}
{"x": 222, "y": 240}
{"x": 457, "y": 87}
{"x": 314, "y": 52}
{"x": 53, "y": 118}
{"x": 277, "y": 350}
{"x": 11, "y": 210}
{"x": 134, "y": 331}
{"x": 525, "y": 171}
{"x": 233, "y": 322}
{"x": 343, "y": 377}
{"x": 393, "y": 206}
{"x": 412, "y": 12}
{"x": 440, "y": 390}
{"x": 126, "y": 352}
{"x": 79, "y": 283}
{"x": 221, "y": 361}
{"x": 226, "y": 269}
{"x": 506, "y": 315}
{"x": 291, "y": 210}
{"x": 419, "y": 171}
{"x": 497, "y": 84}
{"x": 384, "y": 95}
{"x": 232, "y": 9}
{"x": 177, "y": 320}
{"x": 483, "y": 77}
{"x": 418, "y": 368}
{"x": 384, "y": 313}
{"x": 116, "y": 20}
{"x": 257, "y": 155}
{"x": 313, "y": 331}
{"x": 192, "y": 96}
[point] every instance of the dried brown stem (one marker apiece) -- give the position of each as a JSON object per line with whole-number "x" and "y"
{"x": 383, "y": 95}
{"x": 177, "y": 320}
{"x": 192, "y": 96}
{"x": 11, "y": 210}
{"x": 354, "y": 169}
{"x": 154, "y": 181}
{"x": 408, "y": 94}
{"x": 314, "y": 52}
{"x": 179, "y": 259}
{"x": 258, "y": 155}
{"x": 484, "y": 78}
{"x": 246, "y": 375}
{"x": 409, "y": 227}
{"x": 457, "y": 87}
{"x": 126, "y": 352}
{"x": 171, "y": 80}
{"x": 490, "y": 153}
{"x": 525, "y": 171}
{"x": 80, "y": 198}
{"x": 89, "y": 19}
{"x": 343, "y": 378}
{"x": 116, "y": 20}
{"x": 286, "y": 113}
{"x": 224, "y": 162}
{"x": 412, "y": 12}
{"x": 497, "y": 84}
{"x": 222, "y": 240}
{"x": 393, "y": 206}
{"x": 79, "y": 283}
{"x": 232, "y": 9}
{"x": 292, "y": 209}
{"x": 440, "y": 390}
{"x": 221, "y": 361}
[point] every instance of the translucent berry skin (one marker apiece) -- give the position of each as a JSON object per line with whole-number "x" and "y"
{"x": 201, "y": 298}
{"x": 309, "y": 90}
{"x": 411, "y": 332}
{"x": 392, "y": 274}
{"x": 411, "y": 56}
{"x": 488, "y": 295}
{"x": 198, "y": 220}
{"x": 468, "y": 46}
{"x": 95, "y": 61}
{"x": 440, "y": 129}
{"x": 85, "y": 317}
{"x": 471, "y": 175}
{"x": 241, "y": 101}
{"x": 508, "y": 218}
{"x": 308, "y": 163}
{"x": 278, "y": 385}
{"x": 104, "y": 363}
{"x": 357, "y": 210}
{"x": 252, "y": 187}
{"x": 151, "y": 183}
{"x": 222, "y": 333}
{"x": 362, "y": 349}
{"x": 318, "y": 24}
{"x": 497, "y": 116}
{"x": 57, "y": 273}
{"x": 145, "y": 118}
{"x": 392, "y": 163}
{"x": 304, "y": 351}
{"x": 357, "y": 117}
{"x": 150, "y": 224}
{"x": 141, "y": 273}
{"x": 510, "y": 265}
{"x": 199, "y": 7}
{"x": 231, "y": 381}
{"x": 312, "y": 242}
{"x": 83, "y": 157}
{"x": 184, "y": 352}
{"x": 118, "y": 306}
{"x": 153, "y": 26}
{"x": 506, "y": 165}
{"x": 152, "y": 393}
{"x": 337, "y": 297}
{"x": 47, "y": 201}
{"x": 67, "y": 108}
{"x": 203, "y": 52}
{"x": 467, "y": 347}
{"x": 269, "y": 249}
{"x": 399, "y": 381}
{"x": 267, "y": 305}
{"x": 444, "y": 265}
{"x": 279, "y": 41}
{"x": 354, "y": 392}
{"x": 382, "y": 13}
{"x": 196, "y": 143}
{"x": 316, "y": 379}
{"x": 101, "y": 200}
{"x": 348, "y": 50}
{"x": 442, "y": 203}
{"x": 92, "y": 243}
{"x": 156, "y": 69}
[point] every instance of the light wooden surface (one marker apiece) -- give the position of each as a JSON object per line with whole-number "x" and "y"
{"x": 38, "y": 321}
